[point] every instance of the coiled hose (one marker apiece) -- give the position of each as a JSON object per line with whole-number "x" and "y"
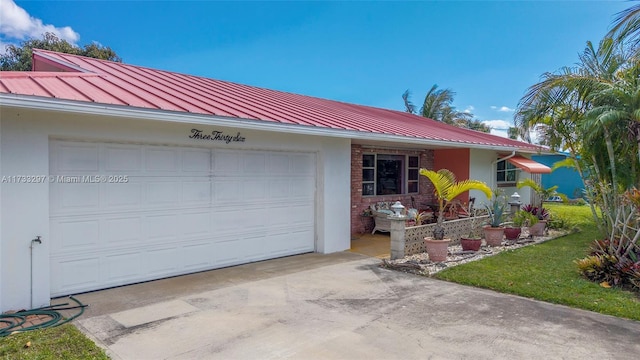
{"x": 18, "y": 319}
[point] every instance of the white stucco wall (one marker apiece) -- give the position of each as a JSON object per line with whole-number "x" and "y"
{"x": 24, "y": 150}
{"x": 479, "y": 170}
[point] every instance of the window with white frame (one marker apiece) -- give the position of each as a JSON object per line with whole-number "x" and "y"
{"x": 507, "y": 173}
{"x": 385, "y": 174}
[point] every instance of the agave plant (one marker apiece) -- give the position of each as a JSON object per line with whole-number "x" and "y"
{"x": 446, "y": 188}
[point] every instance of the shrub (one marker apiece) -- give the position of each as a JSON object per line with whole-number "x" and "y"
{"x": 615, "y": 262}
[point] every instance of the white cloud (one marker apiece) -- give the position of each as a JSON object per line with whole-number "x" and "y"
{"x": 469, "y": 109}
{"x": 502, "y": 108}
{"x": 498, "y": 127}
{"x": 17, "y": 24}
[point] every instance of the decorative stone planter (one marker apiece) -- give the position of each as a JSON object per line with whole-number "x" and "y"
{"x": 512, "y": 233}
{"x": 493, "y": 236}
{"x": 470, "y": 244}
{"x": 437, "y": 249}
{"x": 538, "y": 228}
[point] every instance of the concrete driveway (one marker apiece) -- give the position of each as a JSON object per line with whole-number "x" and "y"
{"x": 340, "y": 306}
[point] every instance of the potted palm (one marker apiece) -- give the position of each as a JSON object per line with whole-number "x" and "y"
{"x": 446, "y": 188}
{"x": 494, "y": 231}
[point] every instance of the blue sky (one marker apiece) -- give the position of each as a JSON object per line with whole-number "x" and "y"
{"x": 360, "y": 52}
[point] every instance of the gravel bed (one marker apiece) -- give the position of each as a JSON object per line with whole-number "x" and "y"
{"x": 421, "y": 265}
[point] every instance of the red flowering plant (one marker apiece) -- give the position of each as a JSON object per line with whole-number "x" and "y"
{"x": 540, "y": 212}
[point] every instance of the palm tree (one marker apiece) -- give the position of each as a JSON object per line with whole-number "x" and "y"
{"x": 438, "y": 105}
{"x": 626, "y": 27}
{"x": 446, "y": 188}
{"x": 563, "y": 107}
{"x": 540, "y": 191}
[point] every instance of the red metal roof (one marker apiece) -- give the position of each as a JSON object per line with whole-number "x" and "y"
{"x": 77, "y": 78}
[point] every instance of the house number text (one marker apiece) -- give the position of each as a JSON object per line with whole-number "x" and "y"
{"x": 215, "y": 136}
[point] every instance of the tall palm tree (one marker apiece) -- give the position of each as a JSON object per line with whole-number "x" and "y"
{"x": 562, "y": 104}
{"x": 626, "y": 27}
{"x": 438, "y": 105}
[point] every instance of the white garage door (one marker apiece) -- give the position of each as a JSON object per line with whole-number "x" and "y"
{"x": 179, "y": 210}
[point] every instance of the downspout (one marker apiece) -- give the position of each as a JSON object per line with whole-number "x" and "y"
{"x": 494, "y": 169}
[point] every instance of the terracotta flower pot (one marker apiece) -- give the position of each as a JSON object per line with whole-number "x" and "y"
{"x": 538, "y": 228}
{"x": 493, "y": 235}
{"x": 437, "y": 249}
{"x": 512, "y": 233}
{"x": 470, "y": 244}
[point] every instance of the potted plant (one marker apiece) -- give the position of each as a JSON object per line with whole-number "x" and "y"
{"x": 446, "y": 188}
{"x": 494, "y": 231}
{"x": 520, "y": 218}
{"x": 539, "y": 213}
{"x": 473, "y": 242}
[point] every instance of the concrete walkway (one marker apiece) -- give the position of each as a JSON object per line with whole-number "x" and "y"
{"x": 341, "y": 306}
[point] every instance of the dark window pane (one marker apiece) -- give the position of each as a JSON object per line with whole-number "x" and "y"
{"x": 367, "y": 175}
{"x": 367, "y": 189}
{"x": 511, "y": 176}
{"x": 413, "y": 161}
{"x": 389, "y": 175}
{"x": 368, "y": 160}
{"x": 413, "y": 174}
{"x": 501, "y": 176}
{"x": 413, "y": 187}
{"x": 501, "y": 165}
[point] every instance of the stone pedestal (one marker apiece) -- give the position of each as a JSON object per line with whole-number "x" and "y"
{"x": 397, "y": 236}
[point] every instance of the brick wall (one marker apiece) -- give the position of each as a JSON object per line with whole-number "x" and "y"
{"x": 359, "y": 203}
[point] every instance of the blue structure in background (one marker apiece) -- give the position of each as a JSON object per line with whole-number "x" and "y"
{"x": 568, "y": 180}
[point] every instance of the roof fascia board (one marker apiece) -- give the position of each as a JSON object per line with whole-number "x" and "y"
{"x": 37, "y": 103}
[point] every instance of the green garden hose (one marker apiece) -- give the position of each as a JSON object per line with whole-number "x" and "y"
{"x": 17, "y": 320}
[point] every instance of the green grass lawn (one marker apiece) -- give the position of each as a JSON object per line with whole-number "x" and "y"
{"x": 547, "y": 271}
{"x": 62, "y": 342}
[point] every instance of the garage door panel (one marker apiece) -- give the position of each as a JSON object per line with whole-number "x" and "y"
{"x": 161, "y": 261}
{"x": 160, "y": 227}
{"x": 122, "y": 158}
{"x": 196, "y": 192}
{"x": 125, "y": 229}
{"x": 253, "y": 190}
{"x": 163, "y": 193}
{"x": 197, "y": 256}
{"x": 196, "y": 223}
{"x": 254, "y": 163}
{"x": 299, "y": 188}
{"x": 182, "y": 210}
{"x": 227, "y": 190}
{"x": 162, "y": 159}
{"x": 76, "y": 196}
{"x": 303, "y": 164}
{"x": 123, "y": 195}
{"x": 122, "y": 267}
{"x": 73, "y": 275}
{"x": 279, "y": 164}
{"x": 75, "y": 157}
{"x": 75, "y": 235}
{"x": 278, "y": 189}
{"x": 226, "y": 162}
{"x": 196, "y": 161}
